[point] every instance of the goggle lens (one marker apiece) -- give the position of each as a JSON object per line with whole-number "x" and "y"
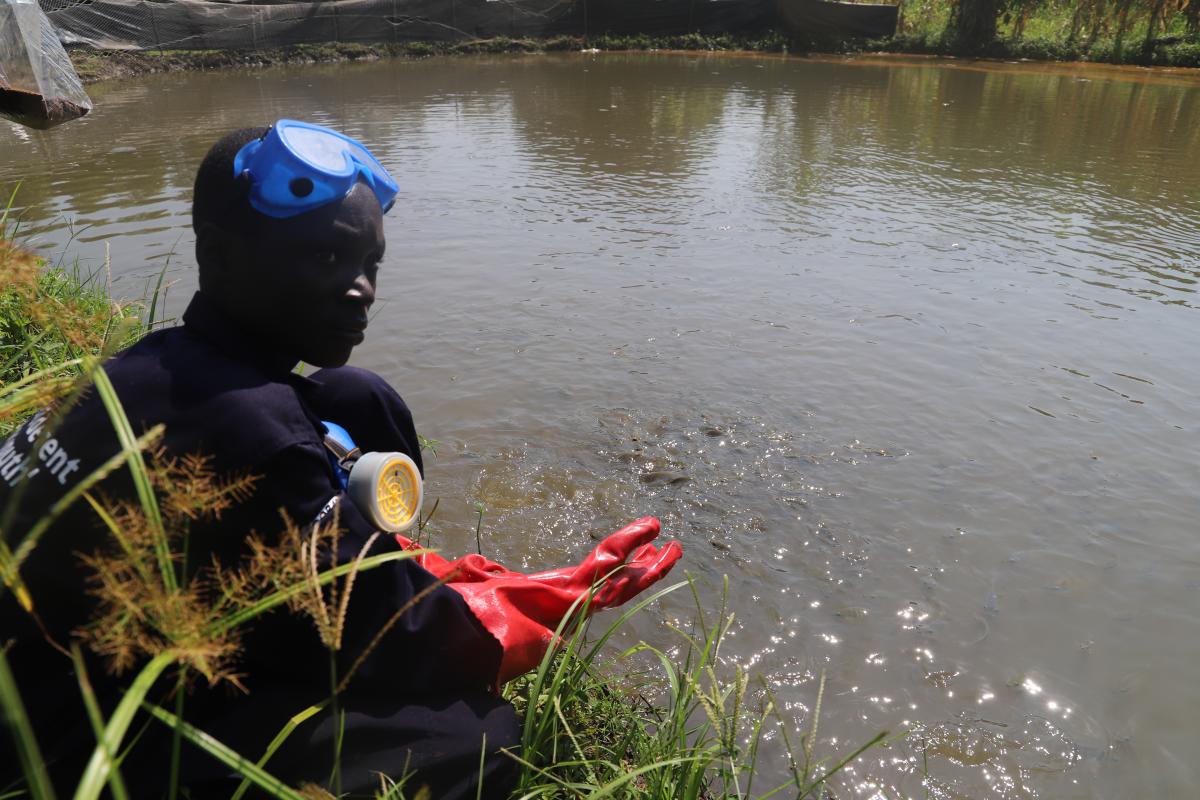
{"x": 320, "y": 149}
{"x": 360, "y": 154}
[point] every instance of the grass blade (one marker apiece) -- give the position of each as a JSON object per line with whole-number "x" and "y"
{"x": 137, "y": 468}
{"x": 162, "y": 273}
{"x": 221, "y": 752}
{"x": 482, "y": 760}
{"x": 628, "y": 614}
{"x": 99, "y": 767}
{"x": 812, "y": 734}
{"x": 176, "y": 739}
{"x": 879, "y": 737}
{"x": 12, "y": 200}
{"x": 612, "y": 786}
{"x": 115, "y": 783}
{"x": 22, "y": 733}
{"x": 278, "y": 741}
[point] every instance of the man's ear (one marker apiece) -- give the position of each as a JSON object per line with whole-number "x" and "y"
{"x": 214, "y": 254}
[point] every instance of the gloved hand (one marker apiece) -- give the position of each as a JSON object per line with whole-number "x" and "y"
{"x": 523, "y": 611}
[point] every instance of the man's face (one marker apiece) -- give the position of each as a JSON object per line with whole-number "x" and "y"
{"x": 308, "y": 281}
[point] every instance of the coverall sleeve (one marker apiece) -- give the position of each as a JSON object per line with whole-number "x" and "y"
{"x": 368, "y": 407}
{"x": 436, "y": 645}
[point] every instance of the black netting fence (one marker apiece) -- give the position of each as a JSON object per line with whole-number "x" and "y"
{"x": 241, "y": 25}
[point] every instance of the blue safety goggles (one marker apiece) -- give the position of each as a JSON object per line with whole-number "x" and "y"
{"x": 296, "y": 167}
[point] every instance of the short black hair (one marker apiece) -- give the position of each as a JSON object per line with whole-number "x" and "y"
{"x": 218, "y": 196}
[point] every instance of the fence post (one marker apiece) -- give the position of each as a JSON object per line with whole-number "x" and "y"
{"x": 154, "y": 28}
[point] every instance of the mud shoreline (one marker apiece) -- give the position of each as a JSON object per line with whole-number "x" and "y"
{"x": 94, "y": 66}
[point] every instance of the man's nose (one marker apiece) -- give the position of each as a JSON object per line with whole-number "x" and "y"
{"x": 362, "y": 290}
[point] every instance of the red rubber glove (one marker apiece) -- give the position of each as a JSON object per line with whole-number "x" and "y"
{"x": 523, "y": 611}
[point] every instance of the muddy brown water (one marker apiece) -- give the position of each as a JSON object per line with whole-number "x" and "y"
{"x": 908, "y": 350}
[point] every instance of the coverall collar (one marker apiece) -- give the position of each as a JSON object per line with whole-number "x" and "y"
{"x": 205, "y": 319}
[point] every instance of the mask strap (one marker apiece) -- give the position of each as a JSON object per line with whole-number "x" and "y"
{"x": 344, "y": 456}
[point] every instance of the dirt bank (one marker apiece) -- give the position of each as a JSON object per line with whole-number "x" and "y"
{"x": 100, "y": 65}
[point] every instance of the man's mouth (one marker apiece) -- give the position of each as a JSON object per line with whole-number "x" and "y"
{"x": 353, "y": 330}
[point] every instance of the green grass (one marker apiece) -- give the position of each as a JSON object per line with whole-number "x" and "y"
{"x": 683, "y": 727}
{"x": 646, "y": 723}
{"x": 51, "y": 318}
{"x": 1051, "y": 31}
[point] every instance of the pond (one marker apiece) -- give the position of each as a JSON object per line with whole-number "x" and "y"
{"x": 908, "y": 350}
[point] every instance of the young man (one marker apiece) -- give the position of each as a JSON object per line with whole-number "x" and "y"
{"x": 289, "y": 240}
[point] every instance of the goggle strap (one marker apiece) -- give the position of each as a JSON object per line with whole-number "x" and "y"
{"x": 244, "y": 182}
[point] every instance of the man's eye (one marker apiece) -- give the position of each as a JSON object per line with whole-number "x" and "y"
{"x": 326, "y": 257}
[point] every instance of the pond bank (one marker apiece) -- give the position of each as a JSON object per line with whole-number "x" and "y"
{"x": 100, "y": 65}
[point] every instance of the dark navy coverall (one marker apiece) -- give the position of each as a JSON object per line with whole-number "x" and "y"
{"x": 420, "y": 701}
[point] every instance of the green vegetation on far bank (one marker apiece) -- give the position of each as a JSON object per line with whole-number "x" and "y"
{"x": 1143, "y": 32}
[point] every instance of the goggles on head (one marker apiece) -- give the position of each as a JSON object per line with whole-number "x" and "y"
{"x": 297, "y": 166}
